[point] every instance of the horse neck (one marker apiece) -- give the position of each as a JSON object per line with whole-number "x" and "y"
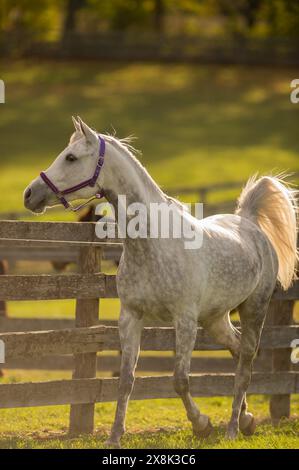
{"x": 124, "y": 175}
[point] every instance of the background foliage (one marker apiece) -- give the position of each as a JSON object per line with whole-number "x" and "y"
{"x": 55, "y": 18}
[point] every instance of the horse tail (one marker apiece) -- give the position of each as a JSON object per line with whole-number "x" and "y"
{"x": 271, "y": 204}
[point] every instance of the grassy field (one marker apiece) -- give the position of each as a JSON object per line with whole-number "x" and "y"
{"x": 195, "y": 125}
{"x": 150, "y": 424}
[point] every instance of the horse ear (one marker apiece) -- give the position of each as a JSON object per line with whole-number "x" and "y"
{"x": 76, "y": 124}
{"x": 89, "y": 134}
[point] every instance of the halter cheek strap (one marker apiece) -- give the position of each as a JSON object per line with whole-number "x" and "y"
{"x": 90, "y": 182}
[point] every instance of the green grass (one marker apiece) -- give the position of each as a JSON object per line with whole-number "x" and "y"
{"x": 196, "y": 125}
{"x": 150, "y": 424}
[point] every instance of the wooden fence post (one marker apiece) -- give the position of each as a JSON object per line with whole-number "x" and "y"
{"x": 3, "y": 310}
{"x": 281, "y": 312}
{"x": 3, "y": 270}
{"x": 87, "y": 314}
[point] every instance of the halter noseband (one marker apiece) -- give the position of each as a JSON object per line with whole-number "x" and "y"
{"x": 90, "y": 182}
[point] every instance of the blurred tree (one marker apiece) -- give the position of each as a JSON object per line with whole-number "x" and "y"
{"x": 132, "y": 14}
{"x": 71, "y": 9}
{"x": 241, "y": 15}
{"x": 49, "y": 19}
{"x": 281, "y": 18}
{"x": 275, "y": 17}
{"x": 125, "y": 14}
{"x": 39, "y": 19}
{"x": 159, "y": 15}
{"x": 249, "y": 11}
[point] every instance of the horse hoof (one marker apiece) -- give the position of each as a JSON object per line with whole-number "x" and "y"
{"x": 112, "y": 444}
{"x": 248, "y": 428}
{"x": 232, "y": 434}
{"x": 203, "y": 433}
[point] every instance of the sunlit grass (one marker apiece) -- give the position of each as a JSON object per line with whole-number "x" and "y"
{"x": 195, "y": 124}
{"x": 150, "y": 424}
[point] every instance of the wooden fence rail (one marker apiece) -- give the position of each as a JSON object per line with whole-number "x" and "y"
{"x": 90, "y": 391}
{"x": 106, "y": 338}
{"x": 152, "y": 46}
{"x": 111, "y": 362}
{"x": 57, "y": 286}
{"x": 84, "y": 339}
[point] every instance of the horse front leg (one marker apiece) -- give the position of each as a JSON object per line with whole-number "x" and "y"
{"x": 186, "y": 331}
{"x": 130, "y": 329}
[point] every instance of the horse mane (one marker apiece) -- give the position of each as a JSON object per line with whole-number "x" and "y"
{"x": 125, "y": 145}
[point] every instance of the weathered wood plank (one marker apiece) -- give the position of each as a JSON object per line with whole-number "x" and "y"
{"x": 12, "y": 243}
{"x": 3, "y": 271}
{"x": 72, "y": 341}
{"x": 13, "y": 324}
{"x": 41, "y": 251}
{"x": 79, "y": 391}
{"x": 290, "y": 294}
{"x": 56, "y": 286}
{"x": 3, "y": 308}
{"x": 107, "y": 362}
{"x": 105, "y": 338}
{"x": 37, "y": 253}
{"x": 112, "y": 363}
{"x": 281, "y": 314}
{"x": 50, "y": 231}
{"x": 110, "y": 287}
{"x": 164, "y": 337}
{"x": 87, "y": 314}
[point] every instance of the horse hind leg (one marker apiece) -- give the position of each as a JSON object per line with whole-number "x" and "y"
{"x": 186, "y": 331}
{"x": 252, "y": 315}
{"x": 224, "y": 333}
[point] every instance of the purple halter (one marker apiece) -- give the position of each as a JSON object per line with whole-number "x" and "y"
{"x": 90, "y": 182}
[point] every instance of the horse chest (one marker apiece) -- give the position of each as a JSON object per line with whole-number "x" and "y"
{"x": 147, "y": 290}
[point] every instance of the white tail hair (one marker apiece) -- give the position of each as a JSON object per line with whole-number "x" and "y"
{"x": 271, "y": 203}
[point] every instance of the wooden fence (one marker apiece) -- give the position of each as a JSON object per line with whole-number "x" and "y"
{"x": 88, "y": 337}
{"x": 125, "y": 46}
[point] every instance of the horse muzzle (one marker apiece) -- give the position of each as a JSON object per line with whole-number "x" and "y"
{"x": 36, "y": 196}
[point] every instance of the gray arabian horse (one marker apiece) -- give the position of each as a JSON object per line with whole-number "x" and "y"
{"x": 242, "y": 257}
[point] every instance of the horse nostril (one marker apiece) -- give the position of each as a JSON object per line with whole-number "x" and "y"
{"x": 28, "y": 193}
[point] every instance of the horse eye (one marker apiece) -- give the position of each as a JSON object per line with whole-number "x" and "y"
{"x": 70, "y": 158}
